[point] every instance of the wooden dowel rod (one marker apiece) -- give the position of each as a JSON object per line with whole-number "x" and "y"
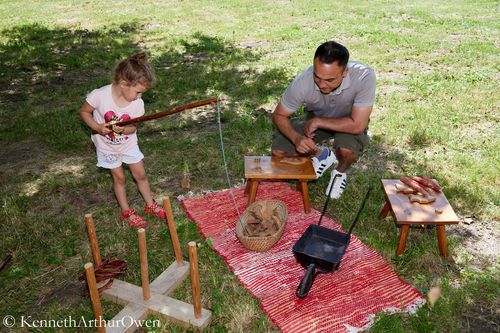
{"x": 143, "y": 254}
{"x": 195, "y": 279}
{"x": 94, "y": 245}
{"x": 173, "y": 231}
{"x": 166, "y": 113}
{"x": 94, "y": 296}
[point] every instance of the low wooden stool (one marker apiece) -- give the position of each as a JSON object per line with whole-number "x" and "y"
{"x": 259, "y": 168}
{"x": 438, "y": 213}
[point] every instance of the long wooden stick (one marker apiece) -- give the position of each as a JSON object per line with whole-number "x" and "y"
{"x": 195, "y": 279}
{"x": 164, "y": 113}
{"x": 94, "y": 245}
{"x": 143, "y": 253}
{"x": 94, "y": 296}
{"x": 173, "y": 231}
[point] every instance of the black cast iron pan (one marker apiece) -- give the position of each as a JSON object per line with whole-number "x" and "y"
{"x": 320, "y": 249}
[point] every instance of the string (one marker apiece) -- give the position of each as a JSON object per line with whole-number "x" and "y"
{"x": 224, "y": 159}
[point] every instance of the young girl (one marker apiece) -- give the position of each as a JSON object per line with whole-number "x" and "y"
{"x": 118, "y": 101}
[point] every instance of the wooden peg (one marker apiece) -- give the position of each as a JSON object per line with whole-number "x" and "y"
{"x": 173, "y": 231}
{"x": 195, "y": 279}
{"x": 94, "y": 296}
{"x": 94, "y": 245}
{"x": 143, "y": 254}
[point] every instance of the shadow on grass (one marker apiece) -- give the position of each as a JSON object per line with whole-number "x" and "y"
{"x": 38, "y": 62}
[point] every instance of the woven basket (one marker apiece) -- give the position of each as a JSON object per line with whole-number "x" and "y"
{"x": 261, "y": 244}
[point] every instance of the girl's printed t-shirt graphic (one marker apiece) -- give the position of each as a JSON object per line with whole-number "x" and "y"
{"x": 106, "y": 111}
{"x": 113, "y": 137}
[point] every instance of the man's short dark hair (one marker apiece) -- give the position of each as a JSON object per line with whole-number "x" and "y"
{"x": 330, "y": 52}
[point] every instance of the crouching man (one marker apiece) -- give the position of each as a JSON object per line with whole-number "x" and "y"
{"x": 338, "y": 97}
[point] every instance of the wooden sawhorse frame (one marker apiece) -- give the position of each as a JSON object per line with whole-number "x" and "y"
{"x": 438, "y": 213}
{"x": 258, "y": 168}
{"x": 151, "y": 298}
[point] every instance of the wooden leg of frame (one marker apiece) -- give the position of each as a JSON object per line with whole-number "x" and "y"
{"x": 403, "y": 235}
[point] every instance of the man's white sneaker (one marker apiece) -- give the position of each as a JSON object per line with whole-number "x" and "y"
{"x": 320, "y": 166}
{"x": 339, "y": 186}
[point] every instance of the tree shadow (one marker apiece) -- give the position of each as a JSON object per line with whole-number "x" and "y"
{"x": 207, "y": 66}
{"x": 38, "y": 62}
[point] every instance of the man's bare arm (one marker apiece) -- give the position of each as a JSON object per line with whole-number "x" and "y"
{"x": 281, "y": 118}
{"x": 355, "y": 124}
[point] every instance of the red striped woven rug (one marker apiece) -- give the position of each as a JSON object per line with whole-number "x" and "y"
{"x": 343, "y": 301}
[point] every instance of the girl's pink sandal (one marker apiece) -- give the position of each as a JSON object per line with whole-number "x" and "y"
{"x": 136, "y": 222}
{"x": 155, "y": 210}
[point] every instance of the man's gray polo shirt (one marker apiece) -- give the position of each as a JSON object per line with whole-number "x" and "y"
{"x": 357, "y": 89}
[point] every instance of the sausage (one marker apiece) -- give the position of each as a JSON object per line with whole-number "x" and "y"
{"x": 434, "y": 184}
{"x": 427, "y": 182}
{"x": 414, "y": 185}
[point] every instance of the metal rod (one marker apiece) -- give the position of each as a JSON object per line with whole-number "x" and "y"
{"x": 360, "y": 208}
{"x": 327, "y": 198}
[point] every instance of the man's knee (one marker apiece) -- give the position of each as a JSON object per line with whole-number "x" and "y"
{"x": 346, "y": 154}
{"x": 277, "y": 153}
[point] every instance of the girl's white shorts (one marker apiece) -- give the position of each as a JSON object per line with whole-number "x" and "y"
{"x": 114, "y": 160}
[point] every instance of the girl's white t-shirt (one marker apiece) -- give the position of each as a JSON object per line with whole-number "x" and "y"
{"x": 105, "y": 111}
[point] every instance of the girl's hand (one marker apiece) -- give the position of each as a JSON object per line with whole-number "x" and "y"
{"x": 102, "y": 129}
{"x": 118, "y": 129}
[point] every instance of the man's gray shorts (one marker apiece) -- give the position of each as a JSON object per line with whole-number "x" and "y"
{"x": 353, "y": 142}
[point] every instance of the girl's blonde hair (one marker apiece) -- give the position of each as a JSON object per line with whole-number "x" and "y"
{"x": 135, "y": 70}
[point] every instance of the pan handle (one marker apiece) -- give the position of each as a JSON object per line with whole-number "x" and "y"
{"x": 306, "y": 282}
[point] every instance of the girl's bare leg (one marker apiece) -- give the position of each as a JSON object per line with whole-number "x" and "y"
{"x": 119, "y": 187}
{"x": 141, "y": 178}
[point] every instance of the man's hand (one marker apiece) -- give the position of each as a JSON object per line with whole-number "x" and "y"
{"x": 281, "y": 118}
{"x": 304, "y": 144}
{"x": 310, "y": 127}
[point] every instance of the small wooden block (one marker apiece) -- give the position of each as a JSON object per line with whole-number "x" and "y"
{"x": 292, "y": 160}
{"x": 403, "y": 188}
{"x": 421, "y": 199}
{"x": 170, "y": 278}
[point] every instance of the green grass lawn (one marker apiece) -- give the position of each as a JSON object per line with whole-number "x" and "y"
{"x": 437, "y": 113}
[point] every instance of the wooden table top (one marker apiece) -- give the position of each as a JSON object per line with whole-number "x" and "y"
{"x": 271, "y": 167}
{"x": 415, "y": 213}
